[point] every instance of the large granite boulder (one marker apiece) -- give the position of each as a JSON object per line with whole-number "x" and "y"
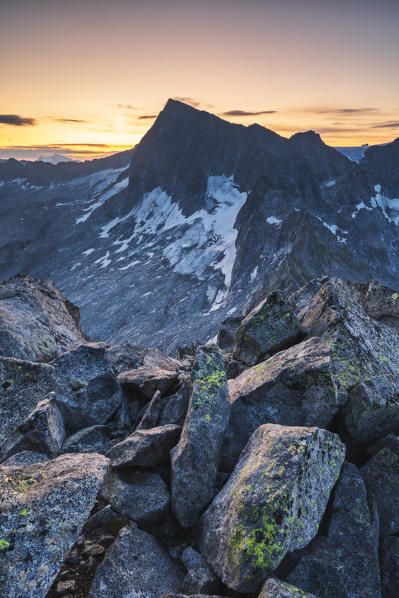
{"x": 22, "y": 385}
{"x": 42, "y": 511}
{"x": 390, "y": 566}
{"x": 136, "y": 565}
{"x": 272, "y": 503}
{"x": 195, "y": 459}
{"x": 36, "y": 322}
{"x": 86, "y": 387}
{"x": 345, "y": 561}
{"x": 267, "y": 329}
{"x": 199, "y": 579}
{"x": 128, "y": 356}
{"x": 296, "y": 387}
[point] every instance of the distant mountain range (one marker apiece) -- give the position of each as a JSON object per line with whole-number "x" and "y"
{"x": 198, "y": 222}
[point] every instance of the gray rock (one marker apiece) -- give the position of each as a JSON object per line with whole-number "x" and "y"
{"x": 274, "y": 588}
{"x": 36, "y": 322}
{"x": 170, "y": 595}
{"x": 145, "y": 381}
{"x": 175, "y": 410}
{"x": 87, "y": 389}
{"x": 345, "y": 561}
{"x": 195, "y": 459}
{"x": 25, "y": 458}
{"x": 22, "y": 385}
{"x": 272, "y": 503}
{"x": 381, "y": 474}
{"x": 270, "y": 327}
{"x": 227, "y": 333}
{"x": 296, "y": 387}
{"x": 43, "y": 508}
{"x": 44, "y": 429}
{"x": 145, "y": 448}
{"x": 200, "y": 579}
{"x": 135, "y": 565}
{"x": 361, "y": 348}
{"x": 94, "y": 439}
{"x": 140, "y": 496}
{"x": 372, "y": 408}
{"x": 390, "y": 566}
{"x": 390, "y": 441}
{"x": 108, "y": 519}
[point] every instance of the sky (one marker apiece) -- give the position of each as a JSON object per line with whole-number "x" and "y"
{"x": 85, "y": 78}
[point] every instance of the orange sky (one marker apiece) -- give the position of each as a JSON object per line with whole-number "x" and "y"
{"x": 89, "y": 71}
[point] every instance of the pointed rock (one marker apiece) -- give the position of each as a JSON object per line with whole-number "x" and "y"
{"x": 195, "y": 459}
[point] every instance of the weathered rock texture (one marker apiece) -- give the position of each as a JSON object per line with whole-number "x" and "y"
{"x": 272, "y": 503}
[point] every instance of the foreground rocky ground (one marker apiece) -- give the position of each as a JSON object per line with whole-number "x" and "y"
{"x": 266, "y": 464}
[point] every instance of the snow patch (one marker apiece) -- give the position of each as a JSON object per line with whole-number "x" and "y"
{"x": 333, "y": 228}
{"x": 273, "y": 220}
{"x": 330, "y": 183}
{"x": 254, "y": 273}
{"x": 102, "y": 196}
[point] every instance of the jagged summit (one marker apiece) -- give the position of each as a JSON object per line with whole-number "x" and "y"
{"x": 207, "y": 214}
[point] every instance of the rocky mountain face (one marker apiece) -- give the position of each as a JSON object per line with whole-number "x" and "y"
{"x": 200, "y": 222}
{"x": 264, "y": 465}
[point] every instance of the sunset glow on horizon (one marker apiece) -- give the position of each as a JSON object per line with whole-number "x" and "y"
{"x": 87, "y": 78}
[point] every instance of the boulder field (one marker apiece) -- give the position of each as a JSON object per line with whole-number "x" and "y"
{"x": 263, "y": 465}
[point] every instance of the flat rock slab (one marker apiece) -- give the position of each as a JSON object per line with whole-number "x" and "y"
{"x": 94, "y": 439}
{"x": 273, "y": 588}
{"x": 195, "y": 459}
{"x": 296, "y": 387}
{"x": 268, "y": 328}
{"x": 344, "y": 562}
{"x": 145, "y": 448}
{"x": 145, "y": 381}
{"x": 272, "y": 503}
{"x": 128, "y": 356}
{"x": 22, "y": 385}
{"x": 36, "y": 322}
{"x": 87, "y": 389}
{"x": 140, "y": 496}
{"x": 136, "y": 565}
{"x": 43, "y": 508}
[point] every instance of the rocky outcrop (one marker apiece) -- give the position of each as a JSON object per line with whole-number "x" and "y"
{"x": 274, "y": 588}
{"x": 42, "y": 510}
{"x": 195, "y": 459}
{"x": 272, "y": 503}
{"x": 36, "y": 322}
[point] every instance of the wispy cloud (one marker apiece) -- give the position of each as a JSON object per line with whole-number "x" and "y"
{"x": 340, "y": 111}
{"x": 126, "y": 106}
{"x": 16, "y": 120}
{"x": 247, "y": 113}
{"x": 148, "y": 116}
{"x": 69, "y": 120}
{"x": 386, "y": 125}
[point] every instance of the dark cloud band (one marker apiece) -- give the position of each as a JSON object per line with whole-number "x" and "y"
{"x": 16, "y": 120}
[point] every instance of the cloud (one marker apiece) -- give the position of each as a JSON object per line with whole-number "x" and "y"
{"x": 386, "y": 125}
{"x": 69, "y": 120}
{"x": 246, "y": 113}
{"x": 126, "y": 106}
{"x": 190, "y": 101}
{"x": 16, "y": 121}
{"x": 341, "y": 111}
{"x": 148, "y": 116}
